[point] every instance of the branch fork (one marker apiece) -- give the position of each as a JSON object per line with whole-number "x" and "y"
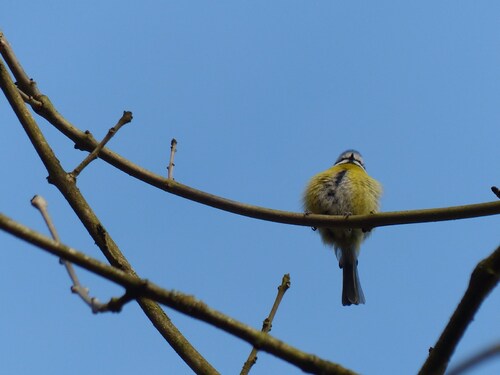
{"x": 114, "y": 305}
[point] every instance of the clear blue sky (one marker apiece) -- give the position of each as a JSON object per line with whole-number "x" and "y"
{"x": 261, "y": 96}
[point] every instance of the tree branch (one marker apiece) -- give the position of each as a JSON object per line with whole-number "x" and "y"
{"x": 483, "y": 280}
{"x": 41, "y": 104}
{"x": 482, "y": 356}
{"x": 66, "y": 185}
{"x": 114, "y": 305}
{"x": 125, "y": 119}
{"x": 85, "y": 141}
{"x": 176, "y": 300}
{"x": 495, "y": 191}
{"x": 23, "y": 81}
{"x": 268, "y": 323}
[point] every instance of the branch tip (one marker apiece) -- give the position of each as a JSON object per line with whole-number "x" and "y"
{"x": 286, "y": 281}
{"x": 39, "y": 202}
{"x": 496, "y": 191}
{"x": 173, "y": 150}
{"x": 267, "y": 324}
{"x": 126, "y": 117}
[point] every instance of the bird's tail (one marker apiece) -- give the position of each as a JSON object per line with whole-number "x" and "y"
{"x": 351, "y": 287}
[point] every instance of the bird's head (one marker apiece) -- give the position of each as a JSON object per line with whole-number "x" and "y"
{"x": 351, "y": 156}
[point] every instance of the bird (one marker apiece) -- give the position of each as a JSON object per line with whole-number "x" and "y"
{"x": 344, "y": 189}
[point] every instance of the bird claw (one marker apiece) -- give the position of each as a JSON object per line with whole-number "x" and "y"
{"x": 366, "y": 230}
{"x": 306, "y": 213}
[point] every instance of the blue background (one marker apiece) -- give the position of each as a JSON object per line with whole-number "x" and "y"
{"x": 261, "y": 96}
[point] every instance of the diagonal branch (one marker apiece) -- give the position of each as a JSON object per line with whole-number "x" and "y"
{"x": 114, "y": 305}
{"x": 478, "y": 358}
{"x": 483, "y": 280}
{"x": 125, "y": 119}
{"x": 176, "y": 300}
{"x": 496, "y": 191}
{"x": 66, "y": 185}
{"x": 41, "y": 205}
{"x": 268, "y": 323}
{"x": 23, "y": 81}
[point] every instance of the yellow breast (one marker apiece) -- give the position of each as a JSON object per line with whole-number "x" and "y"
{"x": 344, "y": 189}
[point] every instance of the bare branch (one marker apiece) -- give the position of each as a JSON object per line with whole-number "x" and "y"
{"x": 483, "y": 280}
{"x": 176, "y": 300}
{"x": 113, "y": 305}
{"x": 41, "y": 104}
{"x": 41, "y": 205}
{"x": 86, "y": 142}
{"x": 495, "y": 191}
{"x": 66, "y": 185}
{"x": 30, "y": 100}
{"x": 125, "y": 119}
{"x": 23, "y": 81}
{"x": 173, "y": 150}
{"x": 268, "y": 322}
{"x": 482, "y": 356}
{"x": 262, "y": 213}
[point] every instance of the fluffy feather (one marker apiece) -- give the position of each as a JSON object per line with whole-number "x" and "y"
{"x": 344, "y": 189}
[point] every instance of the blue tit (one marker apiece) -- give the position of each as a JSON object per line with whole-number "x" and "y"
{"x": 344, "y": 189}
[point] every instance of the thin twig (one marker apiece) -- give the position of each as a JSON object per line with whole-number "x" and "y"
{"x": 23, "y": 81}
{"x": 41, "y": 205}
{"x": 268, "y": 322}
{"x": 125, "y": 119}
{"x": 480, "y": 357}
{"x": 115, "y": 305}
{"x": 171, "y": 164}
{"x": 495, "y": 191}
{"x": 181, "y": 302}
{"x": 483, "y": 280}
